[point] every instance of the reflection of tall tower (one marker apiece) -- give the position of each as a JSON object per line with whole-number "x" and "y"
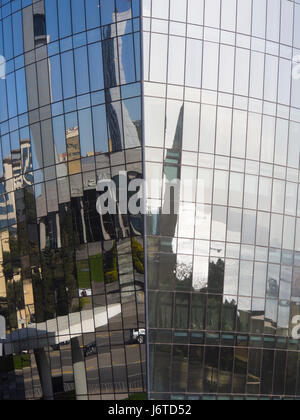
{"x": 172, "y": 171}
{"x": 39, "y": 94}
{"x": 168, "y": 222}
{"x": 38, "y": 82}
{"x": 122, "y": 131}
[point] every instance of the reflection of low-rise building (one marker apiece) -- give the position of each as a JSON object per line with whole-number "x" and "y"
{"x": 73, "y": 151}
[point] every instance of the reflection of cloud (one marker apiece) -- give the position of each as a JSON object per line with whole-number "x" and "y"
{"x": 2, "y": 67}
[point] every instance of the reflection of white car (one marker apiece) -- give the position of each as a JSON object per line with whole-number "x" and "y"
{"x": 91, "y": 183}
{"x": 85, "y": 292}
{"x": 139, "y": 335}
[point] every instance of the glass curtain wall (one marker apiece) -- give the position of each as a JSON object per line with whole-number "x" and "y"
{"x": 221, "y": 109}
{"x": 71, "y": 281}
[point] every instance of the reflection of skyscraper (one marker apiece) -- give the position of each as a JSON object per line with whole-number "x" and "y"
{"x": 115, "y": 74}
{"x": 65, "y": 279}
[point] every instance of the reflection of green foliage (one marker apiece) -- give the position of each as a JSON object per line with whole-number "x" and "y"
{"x": 54, "y": 274}
{"x": 21, "y": 361}
{"x": 84, "y": 301}
{"x": 7, "y": 266}
{"x": 14, "y": 289}
{"x": 83, "y": 274}
{"x": 80, "y": 304}
{"x": 138, "y": 256}
{"x": 111, "y": 276}
{"x": 229, "y": 315}
{"x": 96, "y": 267}
{"x": 110, "y": 265}
{"x": 137, "y": 397}
{"x": 216, "y": 276}
{"x": 14, "y": 292}
{"x": 90, "y": 270}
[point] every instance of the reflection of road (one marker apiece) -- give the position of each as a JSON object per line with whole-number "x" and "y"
{"x": 116, "y": 369}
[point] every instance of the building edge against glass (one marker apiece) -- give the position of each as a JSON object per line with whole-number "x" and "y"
{"x": 199, "y": 90}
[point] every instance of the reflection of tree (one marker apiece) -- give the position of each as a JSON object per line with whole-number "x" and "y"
{"x": 184, "y": 272}
{"x": 110, "y": 265}
{"x": 138, "y": 256}
{"x": 14, "y": 289}
{"x": 216, "y": 277}
{"x": 54, "y": 273}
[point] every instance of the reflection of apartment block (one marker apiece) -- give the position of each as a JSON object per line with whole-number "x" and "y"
{"x": 73, "y": 150}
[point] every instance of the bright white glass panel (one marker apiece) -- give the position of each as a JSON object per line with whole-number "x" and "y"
{"x": 212, "y": 13}
{"x": 226, "y": 71}
{"x": 178, "y": 10}
{"x": 287, "y": 18}
{"x": 242, "y": 71}
{"x": 268, "y": 138}
{"x": 195, "y": 11}
{"x": 273, "y": 20}
{"x": 228, "y": 19}
{"x": 191, "y": 126}
{"x": 259, "y": 18}
{"x": 224, "y": 123}
{"x": 158, "y": 60}
{"x": 208, "y": 129}
{"x": 239, "y": 133}
{"x": 154, "y": 122}
{"x": 160, "y": 9}
{"x": 176, "y": 60}
{"x": 210, "y": 70}
{"x": 193, "y": 63}
{"x": 244, "y": 16}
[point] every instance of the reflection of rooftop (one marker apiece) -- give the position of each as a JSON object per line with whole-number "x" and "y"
{"x": 59, "y": 330}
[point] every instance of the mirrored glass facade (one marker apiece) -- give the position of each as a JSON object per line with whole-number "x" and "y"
{"x": 71, "y": 282}
{"x": 221, "y": 100}
{"x": 203, "y": 91}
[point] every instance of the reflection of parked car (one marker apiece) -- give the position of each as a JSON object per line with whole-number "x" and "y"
{"x": 92, "y": 183}
{"x": 138, "y": 335}
{"x": 56, "y": 347}
{"x": 90, "y": 349}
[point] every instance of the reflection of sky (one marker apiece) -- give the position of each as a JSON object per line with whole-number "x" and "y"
{"x": 123, "y": 5}
{"x": 127, "y": 61}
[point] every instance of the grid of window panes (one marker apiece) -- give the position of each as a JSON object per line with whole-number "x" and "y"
{"x": 70, "y": 115}
{"x": 222, "y": 110}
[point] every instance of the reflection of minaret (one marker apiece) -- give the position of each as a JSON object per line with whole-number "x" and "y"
{"x": 172, "y": 171}
{"x": 114, "y": 75}
{"x": 168, "y": 222}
